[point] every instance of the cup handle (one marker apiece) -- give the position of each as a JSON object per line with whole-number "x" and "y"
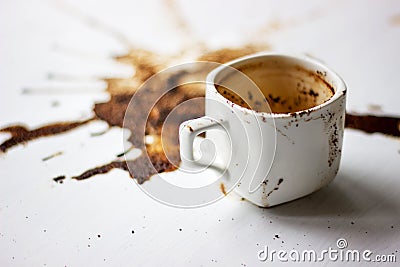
{"x": 188, "y": 130}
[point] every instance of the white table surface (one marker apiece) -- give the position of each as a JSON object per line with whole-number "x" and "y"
{"x": 45, "y": 223}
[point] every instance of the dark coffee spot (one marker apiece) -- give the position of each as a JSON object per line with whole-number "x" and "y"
{"x": 222, "y": 187}
{"x": 373, "y": 124}
{"x": 59, "y": 179}
{"x": 274, "y": 99}
{"x": 20, "y": 134}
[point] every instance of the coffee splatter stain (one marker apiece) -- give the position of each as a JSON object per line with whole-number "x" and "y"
{"x": 55, "y": 104}
{"x": 140, "y": 169}
{"x": 222, "y": 187}
{"x": 102, "y": 170}
{"x": 374, "y": 124}
{"x": 59, "y": 153}
{"x": 99, "y": 133}
{"x": 59, "y": 179}
{"x": 332, "y": 123}
{"x": 374, "y": 108}
{"x": 163, "y": 152}
{"x": 154, "y": 159}
{"x": 20, "y": 134}
{"x": 276, "y": 187}
{"x": 395, "y": 20}
{"x": 125, "y": 152}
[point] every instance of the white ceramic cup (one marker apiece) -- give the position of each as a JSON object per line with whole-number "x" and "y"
{"x": 276, "y": 153}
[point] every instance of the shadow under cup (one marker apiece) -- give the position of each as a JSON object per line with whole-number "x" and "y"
{"x": 285, "y": 86}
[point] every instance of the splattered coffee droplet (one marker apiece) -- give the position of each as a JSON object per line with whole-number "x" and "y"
{"x": 59, "y": 179}
{"x": 20, "y": 134}
{"x": 222, "y": 187}
{"x": 276, "y": 187}
{"x": 122, "y": 90}
{"x": 374, "y": 124}
{"x": 101, "y": 170}
{"x": 52, "y": 156}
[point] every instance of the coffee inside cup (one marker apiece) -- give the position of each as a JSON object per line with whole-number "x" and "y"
{"x": 286, "y": 87}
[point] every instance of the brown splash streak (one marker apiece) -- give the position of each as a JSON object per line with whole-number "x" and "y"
{"x": 140, "y": 169}
{"x": 102, "y": 169}
{"x": 154, "y": 159}
{"x": 113, "y": 112}
{"x": 222, "y": 187}
{"x": 20, "y": 134}
{"x": 146, "y": 64}
{"x": 59, "y": 179}
{"x": 276, "y": 187}
{"x": 374, "y": 124}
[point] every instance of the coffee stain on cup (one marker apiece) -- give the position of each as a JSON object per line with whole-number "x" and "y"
{"x": 59, "y": 179}
{"x": 275, "y": 188}
{"x": 121, "y": 90}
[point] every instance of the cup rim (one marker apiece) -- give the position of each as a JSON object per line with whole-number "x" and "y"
{"x": 340, "y": 88}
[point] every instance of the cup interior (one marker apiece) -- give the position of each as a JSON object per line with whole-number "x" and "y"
{"x": 286, "y": 83}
